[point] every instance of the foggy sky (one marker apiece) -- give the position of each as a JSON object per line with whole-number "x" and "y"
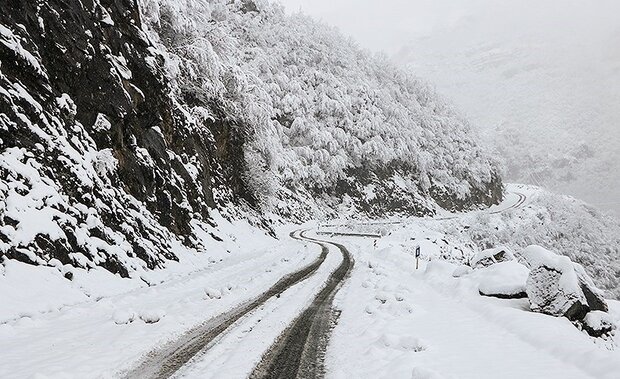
{"x": 387, "y": 25}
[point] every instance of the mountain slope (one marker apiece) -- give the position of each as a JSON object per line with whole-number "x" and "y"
{"x": 123, "y": 125}
{"x": 540, "y": 83}
{"x": 324, "y": 116}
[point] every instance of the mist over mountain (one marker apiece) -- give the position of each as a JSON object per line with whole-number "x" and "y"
{"x": 543, "y": 87}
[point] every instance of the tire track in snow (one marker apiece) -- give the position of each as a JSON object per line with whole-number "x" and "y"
{"x": 300, "y": 350}
{"x": 518, "y": 204}
{"x": 167, "y": 360}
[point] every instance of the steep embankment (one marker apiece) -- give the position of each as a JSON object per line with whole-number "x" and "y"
{"x": 100, "y": 164}
{"x": 123, "y": 124}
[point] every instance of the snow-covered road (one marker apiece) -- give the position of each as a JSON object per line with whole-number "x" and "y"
{"x": 242, "y": 312}
{"x": 235, "y": 342}
{"x": 103, "y": 336}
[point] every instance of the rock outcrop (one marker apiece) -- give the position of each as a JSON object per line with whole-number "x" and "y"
{"x": 598, "y": 324}
{"x": 559, "y": 287}
{"x": 99, "y": 163}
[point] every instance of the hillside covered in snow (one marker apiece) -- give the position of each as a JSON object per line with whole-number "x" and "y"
{"x": 124, "y": 126}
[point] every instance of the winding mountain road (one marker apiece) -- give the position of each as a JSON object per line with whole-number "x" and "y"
{"x": 299, "y": 351}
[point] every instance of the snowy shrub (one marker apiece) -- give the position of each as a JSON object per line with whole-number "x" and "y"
{"x": 151, "y": 316}
{"x": 122, "y": 316}
{"x": 212, "y": 293}
{"x": 461, "y": 270}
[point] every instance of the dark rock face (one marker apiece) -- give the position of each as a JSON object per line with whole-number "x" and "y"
{"x": 488, "y": 194}
{"x": 387, "y": 198}
{"x": 518, "y": 295}
{"x": 390, "y": 198}
{"x": 85, "y": 102}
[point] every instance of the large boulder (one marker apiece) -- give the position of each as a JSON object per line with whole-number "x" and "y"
{"x": 490, "y": 257}
{"x": 559, "y": 287}
{"x": 505, "y": 280}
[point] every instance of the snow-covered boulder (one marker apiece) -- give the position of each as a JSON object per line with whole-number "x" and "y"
{"x": 461, "y": 271}
{"x": 505, "y": 280}
{"x": 491, "y": 256}
{"x": 559, "y": 287}
{"x": 597, "y": 323}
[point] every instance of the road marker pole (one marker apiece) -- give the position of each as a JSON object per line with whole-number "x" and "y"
{"x": 417, "y": 257}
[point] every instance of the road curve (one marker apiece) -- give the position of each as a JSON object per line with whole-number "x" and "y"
{"x": 518, "y": 204}
{"x": 299, "y": 351}
{"x": 164, "y": 362}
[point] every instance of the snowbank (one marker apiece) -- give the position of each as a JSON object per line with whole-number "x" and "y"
{"x": 504, "y": 280}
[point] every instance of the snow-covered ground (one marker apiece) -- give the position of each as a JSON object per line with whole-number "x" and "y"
{"x": 396, "y": 321}
{"x": 98, "y": 325}
{"x": 399, "y": 322}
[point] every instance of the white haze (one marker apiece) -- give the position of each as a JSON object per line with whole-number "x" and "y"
{"x": 540, "y": 79}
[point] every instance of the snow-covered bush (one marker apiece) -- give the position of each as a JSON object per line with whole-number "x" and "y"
{"x": 462, "y": 270}
{"x": 123, "y": 316}
{"x": 151, "y": 316}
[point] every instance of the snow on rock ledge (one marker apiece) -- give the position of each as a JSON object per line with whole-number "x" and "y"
{"x": 559, "y": 287}
{"x": 598, "y": 324}
{"x": 491, "y": 256}
{"x": 505, "y": 280}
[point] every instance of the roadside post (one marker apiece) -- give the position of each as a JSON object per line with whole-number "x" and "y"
{"x": 417, "y": 257}
{"x": 375, "y": 244}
